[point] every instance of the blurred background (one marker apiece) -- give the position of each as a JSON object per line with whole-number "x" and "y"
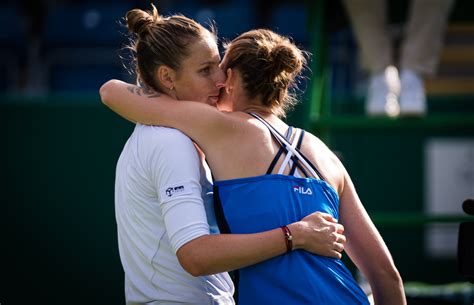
{"x": 58, "y": 239}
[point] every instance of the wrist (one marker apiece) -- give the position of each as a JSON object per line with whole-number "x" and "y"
{"x": 295, "y": 229}
{"x": 288, "y": 238}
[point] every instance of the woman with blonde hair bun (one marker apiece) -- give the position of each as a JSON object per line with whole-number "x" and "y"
{"x": 167, "y": 232}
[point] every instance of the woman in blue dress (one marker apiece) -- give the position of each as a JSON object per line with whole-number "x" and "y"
{"x": 269, "y": 174}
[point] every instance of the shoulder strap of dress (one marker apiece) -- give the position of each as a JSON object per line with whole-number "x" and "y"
{"x": 288, "y": 161}
{"x": 298, "y": 146}
{"x": 280, "y": 139}
{"x": 280, "y": 152}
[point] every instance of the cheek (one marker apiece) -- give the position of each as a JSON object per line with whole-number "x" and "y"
{"x": 195, "y": 89}
{"x": 206, "y": 85}
{"x": 203, "y": 85}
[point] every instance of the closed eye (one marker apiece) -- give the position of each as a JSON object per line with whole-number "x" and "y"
{"x": 205, "y": 70}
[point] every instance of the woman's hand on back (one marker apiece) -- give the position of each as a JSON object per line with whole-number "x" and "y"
{"x": 320, "y": 234}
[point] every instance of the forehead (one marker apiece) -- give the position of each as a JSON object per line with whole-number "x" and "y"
{"x": 203, "y": 50}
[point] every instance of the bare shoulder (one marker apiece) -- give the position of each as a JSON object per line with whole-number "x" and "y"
{"x": 243, "y": 123}
{"x": 325, "y": 160}
{"x": 226, "y": 132}
{"x": 317, "y": 146}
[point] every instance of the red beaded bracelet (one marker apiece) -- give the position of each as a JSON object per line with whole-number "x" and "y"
{"x": 288, "y": 238}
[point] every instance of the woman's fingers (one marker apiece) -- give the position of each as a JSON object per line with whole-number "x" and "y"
{"x": 338, "y": 247}
{"x": 340, "y": 228}
{"x": 335, "y": 254}
{"x": 325, "y": 236}
{"x": 340, "y": 238}
{"x": 327, "y": 217}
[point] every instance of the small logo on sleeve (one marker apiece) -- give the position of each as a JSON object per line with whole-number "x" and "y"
{"x": 302, "y": 190}
{"x": 176, "y": 190}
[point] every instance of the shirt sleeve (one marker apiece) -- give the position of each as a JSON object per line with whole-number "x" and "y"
{"x": 175, "y": 174}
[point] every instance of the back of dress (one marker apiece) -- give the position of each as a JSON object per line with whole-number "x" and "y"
{"x": 255, "y": 204}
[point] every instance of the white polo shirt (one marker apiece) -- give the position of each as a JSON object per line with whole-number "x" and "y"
{"x": 159, "y": 190}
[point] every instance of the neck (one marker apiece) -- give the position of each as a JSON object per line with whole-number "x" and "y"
{"x": 247, "y": 105}
{"x": 260, "y": 110}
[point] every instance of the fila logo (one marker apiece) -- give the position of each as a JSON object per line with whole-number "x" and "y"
{"x": 302, "y": 190}
{"x": 173, "y": 190}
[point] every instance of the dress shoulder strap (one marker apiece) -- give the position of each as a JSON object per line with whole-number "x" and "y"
{"x": 295, "y": 151}
{"x": 280, "y": 152}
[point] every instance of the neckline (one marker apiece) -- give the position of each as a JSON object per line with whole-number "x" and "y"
{"x": 275, "y": 176}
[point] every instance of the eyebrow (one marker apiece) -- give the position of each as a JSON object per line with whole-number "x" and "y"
{"x": 210, "y": 62}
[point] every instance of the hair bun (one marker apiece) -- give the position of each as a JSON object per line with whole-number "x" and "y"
{"x": 139, "y": 21}
{"x": 285, "y": 58}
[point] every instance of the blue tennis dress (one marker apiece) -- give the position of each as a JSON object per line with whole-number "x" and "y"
{"x": 256, "y": 204}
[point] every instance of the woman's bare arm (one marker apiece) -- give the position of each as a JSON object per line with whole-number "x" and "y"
{"x": 367, "y": 249}
{"x": 317, "y": 233}
{"x": 201, "y": 122}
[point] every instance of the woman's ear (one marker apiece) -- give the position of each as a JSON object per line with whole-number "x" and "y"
{"x": 166, "y": 77}
{"x": 229, "y": 83}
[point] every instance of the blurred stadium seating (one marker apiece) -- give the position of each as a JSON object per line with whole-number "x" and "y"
{"x": 291, "y": 20}
{"x": 78, "y": 48}
{"x": 81, "y": 43}
{"x": 12, "y": 41}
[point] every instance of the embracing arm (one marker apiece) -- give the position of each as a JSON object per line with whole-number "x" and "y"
{"x": 201, "y": 122}
{"x": 225, "y": 252}
{"x": 367, "y": 249}
{"x": 172, "y": 161}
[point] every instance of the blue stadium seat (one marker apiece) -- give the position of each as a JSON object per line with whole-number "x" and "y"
{"x": 12, "y": 29}
{"x": 84, "y": 78}
{"x": 291, "y": 20}
{"x": 84, "y": 69}
{"x": 231, "y": 18}
{"x": 12, "y": 46}
{"x": 81, "y": 44}
{"x": 86, "y": 24}
{"x": 184, "y": 7}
